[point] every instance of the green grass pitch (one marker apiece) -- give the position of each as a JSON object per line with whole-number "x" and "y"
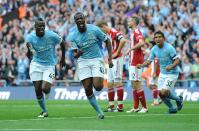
{"x": 79, "y": 116}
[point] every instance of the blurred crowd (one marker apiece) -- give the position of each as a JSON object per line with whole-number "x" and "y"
{"x": 7, "y": 6}
{"x": 178, "y": 19}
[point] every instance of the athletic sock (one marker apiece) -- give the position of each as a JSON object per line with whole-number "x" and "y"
{"x": 92, "y": 100}
{"x": 142, "y": 97}
{"x": 120, "y": 94}
{"x": 42, "y": 104}
{"x": 111, "y": 95}
{"x": 155, "y": 93}
{"x": 135, "y": 99}
{"x": 168, "y": 103}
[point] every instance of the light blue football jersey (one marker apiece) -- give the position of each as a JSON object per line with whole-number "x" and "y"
{"x": 90, "y": 41}
{"x": 166, "y": 56}
{"x": 44, "y": 47}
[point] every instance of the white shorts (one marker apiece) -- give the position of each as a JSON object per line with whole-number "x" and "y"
{"x": 135, "y": 74}
{"x": 40, "y": 72}
{"x": 166, "y": 81}
{"x": 115, "y": 73}
{"x": 90, "y": 68}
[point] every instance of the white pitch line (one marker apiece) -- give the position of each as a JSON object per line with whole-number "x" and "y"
{"x": 60, "y": 105}
{"x": 91, "y": 117}
{"x": 51, "y": 130}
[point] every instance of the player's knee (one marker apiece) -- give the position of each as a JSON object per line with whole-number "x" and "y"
{"x": 163, "y": 94}
{"x": 88, "y": 92}
{"x": 118, "y": 84}
{"x": 136, "y": 85}
{"x": 98, "y": 88}
{"x": 46, "y": 90}
{"x": 46, "y": 86}
{"x": 110, "y": 85}
{"x": 39, "y": 93}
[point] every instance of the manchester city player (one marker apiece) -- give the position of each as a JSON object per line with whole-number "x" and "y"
{"x": 168, "y": 61}
{"x": 41, "y": 50}
{"x": 86, "y": 41}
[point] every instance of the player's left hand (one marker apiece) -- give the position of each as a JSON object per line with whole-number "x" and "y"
{"x": 139, "y": 66}
{"x": 110, "y": 63}
{"x": 168, "y": 68}
{"x": 154, "y": 76}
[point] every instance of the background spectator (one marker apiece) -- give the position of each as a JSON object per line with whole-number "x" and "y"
{"x": 179, "y": 20}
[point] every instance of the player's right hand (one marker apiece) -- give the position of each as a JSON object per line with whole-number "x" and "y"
{"x": 139, "y": 66}
{"x": 78, "y": 53}
{"x": 63, "y": 63}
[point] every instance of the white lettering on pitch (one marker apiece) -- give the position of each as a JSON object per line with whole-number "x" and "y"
{"x": 187, "y": 95}
{"x": 63, "y": 93}
{"x": 82, "y": 95}
{"x": 195, "y": 96}
{"x": 4, "y": 95}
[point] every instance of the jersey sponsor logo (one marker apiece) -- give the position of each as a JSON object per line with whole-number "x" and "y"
{"x": 43, "y": 49}
{"x": 86, "y": 43}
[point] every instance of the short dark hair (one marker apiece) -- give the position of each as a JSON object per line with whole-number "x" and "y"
{"x": 39, "y": 20}
{"x": 101, "y": 23}
{"x": 78, "y": 14}
{"x": 159, "y": 32}
{"x": 136, "y": 19}
{"x": 152, "y": 42}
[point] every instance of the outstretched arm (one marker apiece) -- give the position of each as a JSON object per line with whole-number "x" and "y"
{"x": 146, "y": 63}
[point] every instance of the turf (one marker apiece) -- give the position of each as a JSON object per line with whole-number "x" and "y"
{"x": 79, "y": 116}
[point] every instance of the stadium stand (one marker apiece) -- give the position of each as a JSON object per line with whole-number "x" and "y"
{"x": 178, "y": 19}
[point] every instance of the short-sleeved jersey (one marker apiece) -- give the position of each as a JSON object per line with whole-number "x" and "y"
{"x": 90, "y": 41}
{"x": 44, "y": 47}
{"x": 166, "y": 55}
{"x": 116, "y": 36}
{"x": 136, "y": 56}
